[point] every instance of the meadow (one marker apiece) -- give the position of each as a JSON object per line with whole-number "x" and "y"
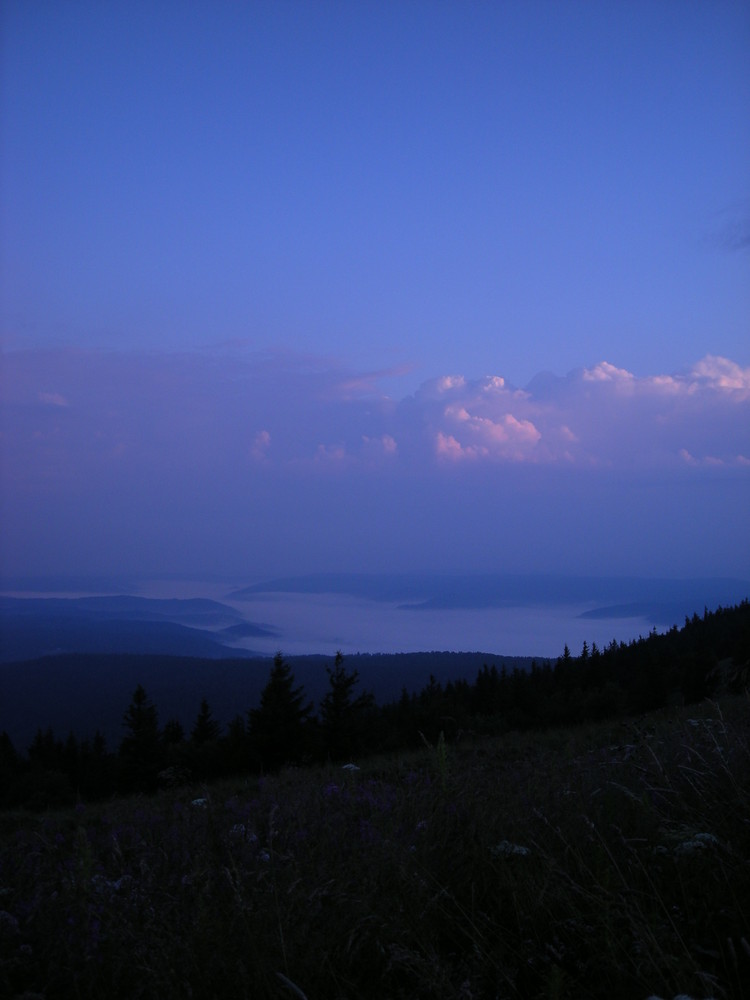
{"x": 604, "y": 860}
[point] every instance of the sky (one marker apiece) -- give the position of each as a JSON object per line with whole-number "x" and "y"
{"x": 422, "y": 286}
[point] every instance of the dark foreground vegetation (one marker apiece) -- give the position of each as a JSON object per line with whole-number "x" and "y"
{"x": 538, "y": 851}
{"x": 609, "y": 860}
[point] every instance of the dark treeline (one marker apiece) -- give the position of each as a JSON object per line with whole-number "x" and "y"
{"x": 707, "y": 655}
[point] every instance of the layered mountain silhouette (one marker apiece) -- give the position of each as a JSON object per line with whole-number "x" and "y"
{"x": 36, "y": 627}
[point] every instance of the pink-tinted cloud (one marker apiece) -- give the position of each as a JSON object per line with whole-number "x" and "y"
{"x": 53, "y": 399}
{"x": 155, "y": 413}
{"x": 168, "y": 459}
{"x": 605, "y": 372}
{"x": 478, "y": 436}
{"x": 720, "y": 373}
{"x": 385, "y": 445}
{"x": 261, "y": 444}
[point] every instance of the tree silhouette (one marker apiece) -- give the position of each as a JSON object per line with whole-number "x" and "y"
{"x": 342, "y": 716}
{"x": 279, "y": 727}
{"x": 141, "y": 750}
{"x": 205, "y": 728}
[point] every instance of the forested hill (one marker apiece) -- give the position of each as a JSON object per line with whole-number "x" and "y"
{"x": 82, "y": 693}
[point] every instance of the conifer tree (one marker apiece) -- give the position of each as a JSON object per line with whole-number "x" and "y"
{"x": 342, "y": 716}
{"x": 279, "y": 727}
{"x": 205, "y": 728}
{"x": 173, "y": 733}
{"x": 141, "y": 750}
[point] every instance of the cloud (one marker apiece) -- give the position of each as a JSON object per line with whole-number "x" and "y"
{"x": 247, "y": 457}
{"x": 385, "y": 445}
{"x": 605, "y": 372}
{"x": 53, "y": 399}
{"x": 505, "y": 438}
{"x": 330, "y": 454}
{"x": 261, "y": 444}
{"x": 170, "y": 414}
{"x": 439, "y": 388}
{"x": 720, "y": 373}
{"x": 446, "y": 446}
{"x": 713, "y": 461}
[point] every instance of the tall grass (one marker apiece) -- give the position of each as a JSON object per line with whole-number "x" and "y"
{"x": 597, "y": 862}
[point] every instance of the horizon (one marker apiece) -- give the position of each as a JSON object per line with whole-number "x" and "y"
{"x": 355, "y": 614}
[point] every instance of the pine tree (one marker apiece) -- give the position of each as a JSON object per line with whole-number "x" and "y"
{"x": 279, "y": 727}
{"x": 141, "y": 750}
{"x": 234, "y": 746}
{"x": 342, "y": 716}
{"x": 205, "y": 729}
{"x": 173, "y": 733}
{"x": 10, "y": 767}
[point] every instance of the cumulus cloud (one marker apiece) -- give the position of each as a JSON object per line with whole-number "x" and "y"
{"x": 720, "y": 373}
{"x": 601, "y": 415}
{"x": 605, "y": 372}
{"x": 713, "y": 461}
{"x": 166, "y": 412}
{"x": 260, "y": 445}
{"x": 475, "y": 435}
{"x": 53, "y": 399}
{"x": 285, "y": 454}
{"x": 385, "y": 445}
{"x": 439, "y": 388}
{"x": 330, "y": 454}
{"x": 446, "y": 446}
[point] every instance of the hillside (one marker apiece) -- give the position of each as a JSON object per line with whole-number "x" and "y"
{"x": 608, "y": 860}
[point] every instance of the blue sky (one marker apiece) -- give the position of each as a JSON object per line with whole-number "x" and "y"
{"x": 244, "y": 240}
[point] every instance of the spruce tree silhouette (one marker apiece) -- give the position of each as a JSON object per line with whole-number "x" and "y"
{"x": 342, "y": 716}
{"x": 279, "y": 727}
{"x": 141, "y": 751}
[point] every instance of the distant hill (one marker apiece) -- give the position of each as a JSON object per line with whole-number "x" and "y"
{"x": 35, "y": 627}
{"x": 660, "y": 601}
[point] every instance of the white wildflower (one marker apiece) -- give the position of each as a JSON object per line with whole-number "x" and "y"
{"x": 697, "y": 843}
{"x": 505, "y": 850}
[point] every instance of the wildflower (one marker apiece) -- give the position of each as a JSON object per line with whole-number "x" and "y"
{"x": 102, "y": 884}
{"x": 505, "y": 850}
{"x": 696, "y": 844}
{"x": 678, "y": 996}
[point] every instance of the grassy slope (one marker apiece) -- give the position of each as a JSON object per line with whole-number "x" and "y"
{"x": 608, "y": 861}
